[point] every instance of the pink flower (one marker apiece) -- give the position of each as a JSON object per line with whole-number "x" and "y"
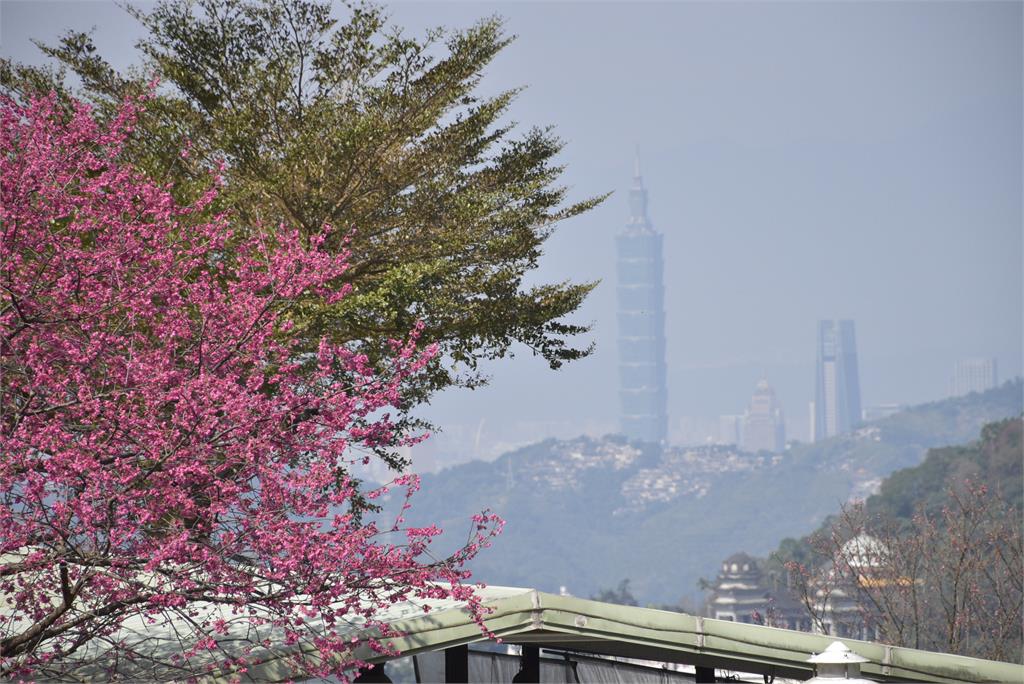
{"x": 168, "y": 454}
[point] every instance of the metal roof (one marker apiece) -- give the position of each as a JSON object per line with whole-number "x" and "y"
{"x": 531, "y": 617}
{"x": 527, "y": 616}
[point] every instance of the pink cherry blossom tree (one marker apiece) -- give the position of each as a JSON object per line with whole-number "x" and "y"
{"x": 167, "y": 460}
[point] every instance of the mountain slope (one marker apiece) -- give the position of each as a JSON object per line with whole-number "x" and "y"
{"x": 586, "y": 513}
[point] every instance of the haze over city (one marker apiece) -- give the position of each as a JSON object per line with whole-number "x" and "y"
{"x": 253, "y": 249}
{"x": 803, "y": 161}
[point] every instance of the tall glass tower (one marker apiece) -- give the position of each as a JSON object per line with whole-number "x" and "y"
{"x": 837, "y": 397}
{"x": 641, "y": 298}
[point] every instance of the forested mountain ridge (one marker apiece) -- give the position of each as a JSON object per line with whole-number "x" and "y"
{"x": 994, "y": 461}
{"x": 933, "y": 560}
{"x": 586, "y": 513}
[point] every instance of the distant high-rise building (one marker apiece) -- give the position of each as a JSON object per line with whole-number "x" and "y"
{"x": 837, "y": 395}
{"x": 764, "y": 427}
{"x": 973, "y": 375}
{"x": 641, "y": 316}
{"x": 730, "y": 429}
{"x": 811, "y": 436}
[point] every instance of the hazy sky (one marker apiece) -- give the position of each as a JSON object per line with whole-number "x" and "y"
{"x": 858, "y": 160}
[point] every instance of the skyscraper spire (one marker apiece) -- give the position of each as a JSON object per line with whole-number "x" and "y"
{"x": 638, "y": 197}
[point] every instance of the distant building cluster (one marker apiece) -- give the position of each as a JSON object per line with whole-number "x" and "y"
{"x": 973, "y": 375}
{"x": 671, "y": 473}
{"x": 835, "y": 410}
{"x": 643, "y": 394}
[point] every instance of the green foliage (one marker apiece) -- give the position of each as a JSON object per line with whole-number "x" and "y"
{"x": 620, "y": 595}
{"x": 353, "y": 124}
{"x": 994, "y": 461}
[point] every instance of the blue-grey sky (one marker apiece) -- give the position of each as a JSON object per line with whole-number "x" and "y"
{"x": 804, "y": 160}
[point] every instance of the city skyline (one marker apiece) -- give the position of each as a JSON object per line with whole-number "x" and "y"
{"x": 797, "y": 174}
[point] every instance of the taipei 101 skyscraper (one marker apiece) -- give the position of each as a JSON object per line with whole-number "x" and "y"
{"x": 641, "y": 314}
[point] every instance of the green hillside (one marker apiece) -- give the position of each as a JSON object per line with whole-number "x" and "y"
{"x": 949, "y": 578}
{"x": 994, "y": 461}
{"x": 587, "y": 513}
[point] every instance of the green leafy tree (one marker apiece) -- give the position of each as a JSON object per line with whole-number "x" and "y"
{"x": 620, "y": 595}
{"x": 349, "y": 122}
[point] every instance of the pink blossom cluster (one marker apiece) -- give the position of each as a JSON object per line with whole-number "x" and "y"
{"x": 163, "y": 443}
